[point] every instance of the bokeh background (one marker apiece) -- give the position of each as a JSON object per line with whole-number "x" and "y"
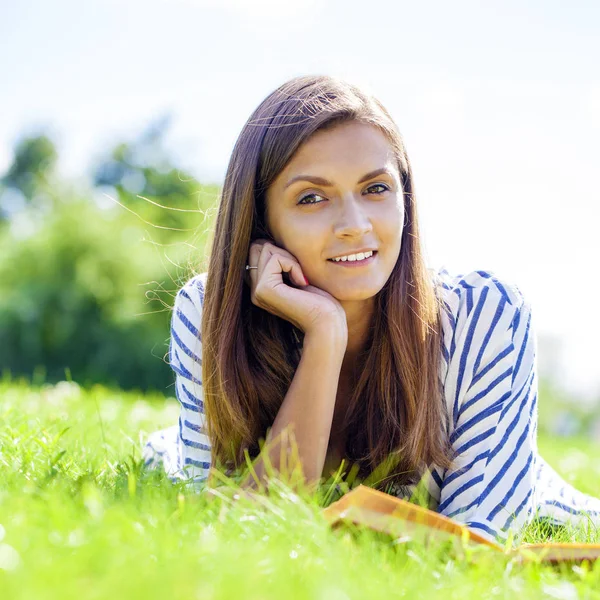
{"x": 118, "y": 119}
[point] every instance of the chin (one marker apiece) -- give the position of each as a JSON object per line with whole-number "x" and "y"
{"x": 348, "y": 295}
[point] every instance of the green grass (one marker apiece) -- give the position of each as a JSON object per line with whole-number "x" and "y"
{"x": 80, "y": 518}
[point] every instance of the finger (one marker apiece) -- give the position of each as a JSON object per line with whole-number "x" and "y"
{"x": 253, "y": 257}
{"x": 276, "y": 266}
{"x": 263, "y": 254}
{"x": 302, "y": 280}
{"x": 295, "y": 273}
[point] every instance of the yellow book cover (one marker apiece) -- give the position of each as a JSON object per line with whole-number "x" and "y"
{"x": 385, "y": 513}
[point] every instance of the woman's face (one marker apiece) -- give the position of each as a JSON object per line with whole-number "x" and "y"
{"x": 340, "y": 193}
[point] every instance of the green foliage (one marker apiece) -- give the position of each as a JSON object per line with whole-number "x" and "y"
{"x": 33, "y": 163}
{"x": 87, "y": 278}
{"x": 145, "y": 180}
{"x": 69, "y": 298}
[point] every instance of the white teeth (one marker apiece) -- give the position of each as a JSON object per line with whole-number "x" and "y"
{"x": 353, "y": 257}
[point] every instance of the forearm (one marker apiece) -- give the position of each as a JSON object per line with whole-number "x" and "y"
{"x": 307, "y": 410}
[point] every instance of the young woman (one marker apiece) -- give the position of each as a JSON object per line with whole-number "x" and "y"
{"x": 318, "y": 314}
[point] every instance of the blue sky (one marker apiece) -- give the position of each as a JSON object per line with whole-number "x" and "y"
{"x": 498, "y": 103}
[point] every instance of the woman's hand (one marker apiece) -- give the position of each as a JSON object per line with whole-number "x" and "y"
{"x": 309, "y": 308}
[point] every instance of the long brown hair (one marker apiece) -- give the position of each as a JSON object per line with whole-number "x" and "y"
{"x": 250, "y": 356}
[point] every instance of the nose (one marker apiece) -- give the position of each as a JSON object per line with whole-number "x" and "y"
{"x": 352, "y": 218}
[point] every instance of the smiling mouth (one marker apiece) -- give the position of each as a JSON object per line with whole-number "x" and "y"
{"x": 355, "y": 263}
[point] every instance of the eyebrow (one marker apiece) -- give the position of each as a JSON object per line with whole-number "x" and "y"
{"x": 325, "y": 182}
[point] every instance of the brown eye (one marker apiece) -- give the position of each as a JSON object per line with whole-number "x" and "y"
{"x": 378, "y": 185}
{"x": 301, "y": 201}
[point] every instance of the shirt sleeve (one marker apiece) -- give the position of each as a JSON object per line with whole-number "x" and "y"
{"x": 185, "y": 357}
{"x": 493, "y": 412}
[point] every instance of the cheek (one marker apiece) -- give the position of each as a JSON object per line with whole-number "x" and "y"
{"x": 392, "y": 225}
{"x": 281, "y": 228}
{"x": 302, "y": 239}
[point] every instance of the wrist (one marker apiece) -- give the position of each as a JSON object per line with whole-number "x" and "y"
{"x": 328, "y": 338}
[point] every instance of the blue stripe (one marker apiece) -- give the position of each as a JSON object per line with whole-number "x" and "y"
{"x": 573, "y": 511}
{"x": 476, "y": 525}
{"x": 197, "y": 445}
{"x": 184, "y": 373}
{"x": 194, "y": 427}
{"x": 492, "y": 364}
{"x": 180, "y": 343}
{"x": 476, "y": 440}
{"x": 484, "y": 414}
{"x": 512, "y": 489}
{"x": 466, "y": 348}
{"x": 187, "y": 442}
{"x": 502, "y": 290}
{"x": 150, "y": 445}
{"x": 189, "y": 325}
{"x": 445, "y": 354}
{"x": 517, "y": 416}
{"x": 525, "y": 388}
{"x": 483, "y": 274}
{"x": 500, "y": 474}
{"x": 469, "y": 300}
{"x": 523, "y": 347}
{"x": 181, "y": 370}
{"x": 512, "y": 517}
{"x": 485, "y": 392}
{"x": 452, "y": 328}
{"x": 516, "y": 319}
{"x": 488, "y": 335}
{"x": 436, "y": 477}
{"x": 448, "y": 501}
{"x": 539, "y": 472}
{"x": 469, "y": 289}
{"x": 185, "y": 294}
{"x": 200, "y": 288}
{"x": 197, "y": 402}
{"x": 450, "y": 315}
{"x": 509, "y": 429}
{"x": 197, "y": 463}
{"x": 450, "y": 478}
{"x": 189, "y": 406}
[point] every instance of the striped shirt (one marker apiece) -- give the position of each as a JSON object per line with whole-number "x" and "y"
{"x": 497, "y": 482}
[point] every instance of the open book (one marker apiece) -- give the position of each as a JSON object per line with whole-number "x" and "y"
{"x": 399, "y": 518}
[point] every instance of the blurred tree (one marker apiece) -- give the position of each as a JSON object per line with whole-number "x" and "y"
{"x": 31, "y": 171}
{"x": 149, "y": 184}
{"x": 70, "y": 297}
{"x": 78, "y": 289}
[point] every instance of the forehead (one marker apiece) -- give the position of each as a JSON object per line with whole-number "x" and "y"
{"x": 345, "y": 145}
